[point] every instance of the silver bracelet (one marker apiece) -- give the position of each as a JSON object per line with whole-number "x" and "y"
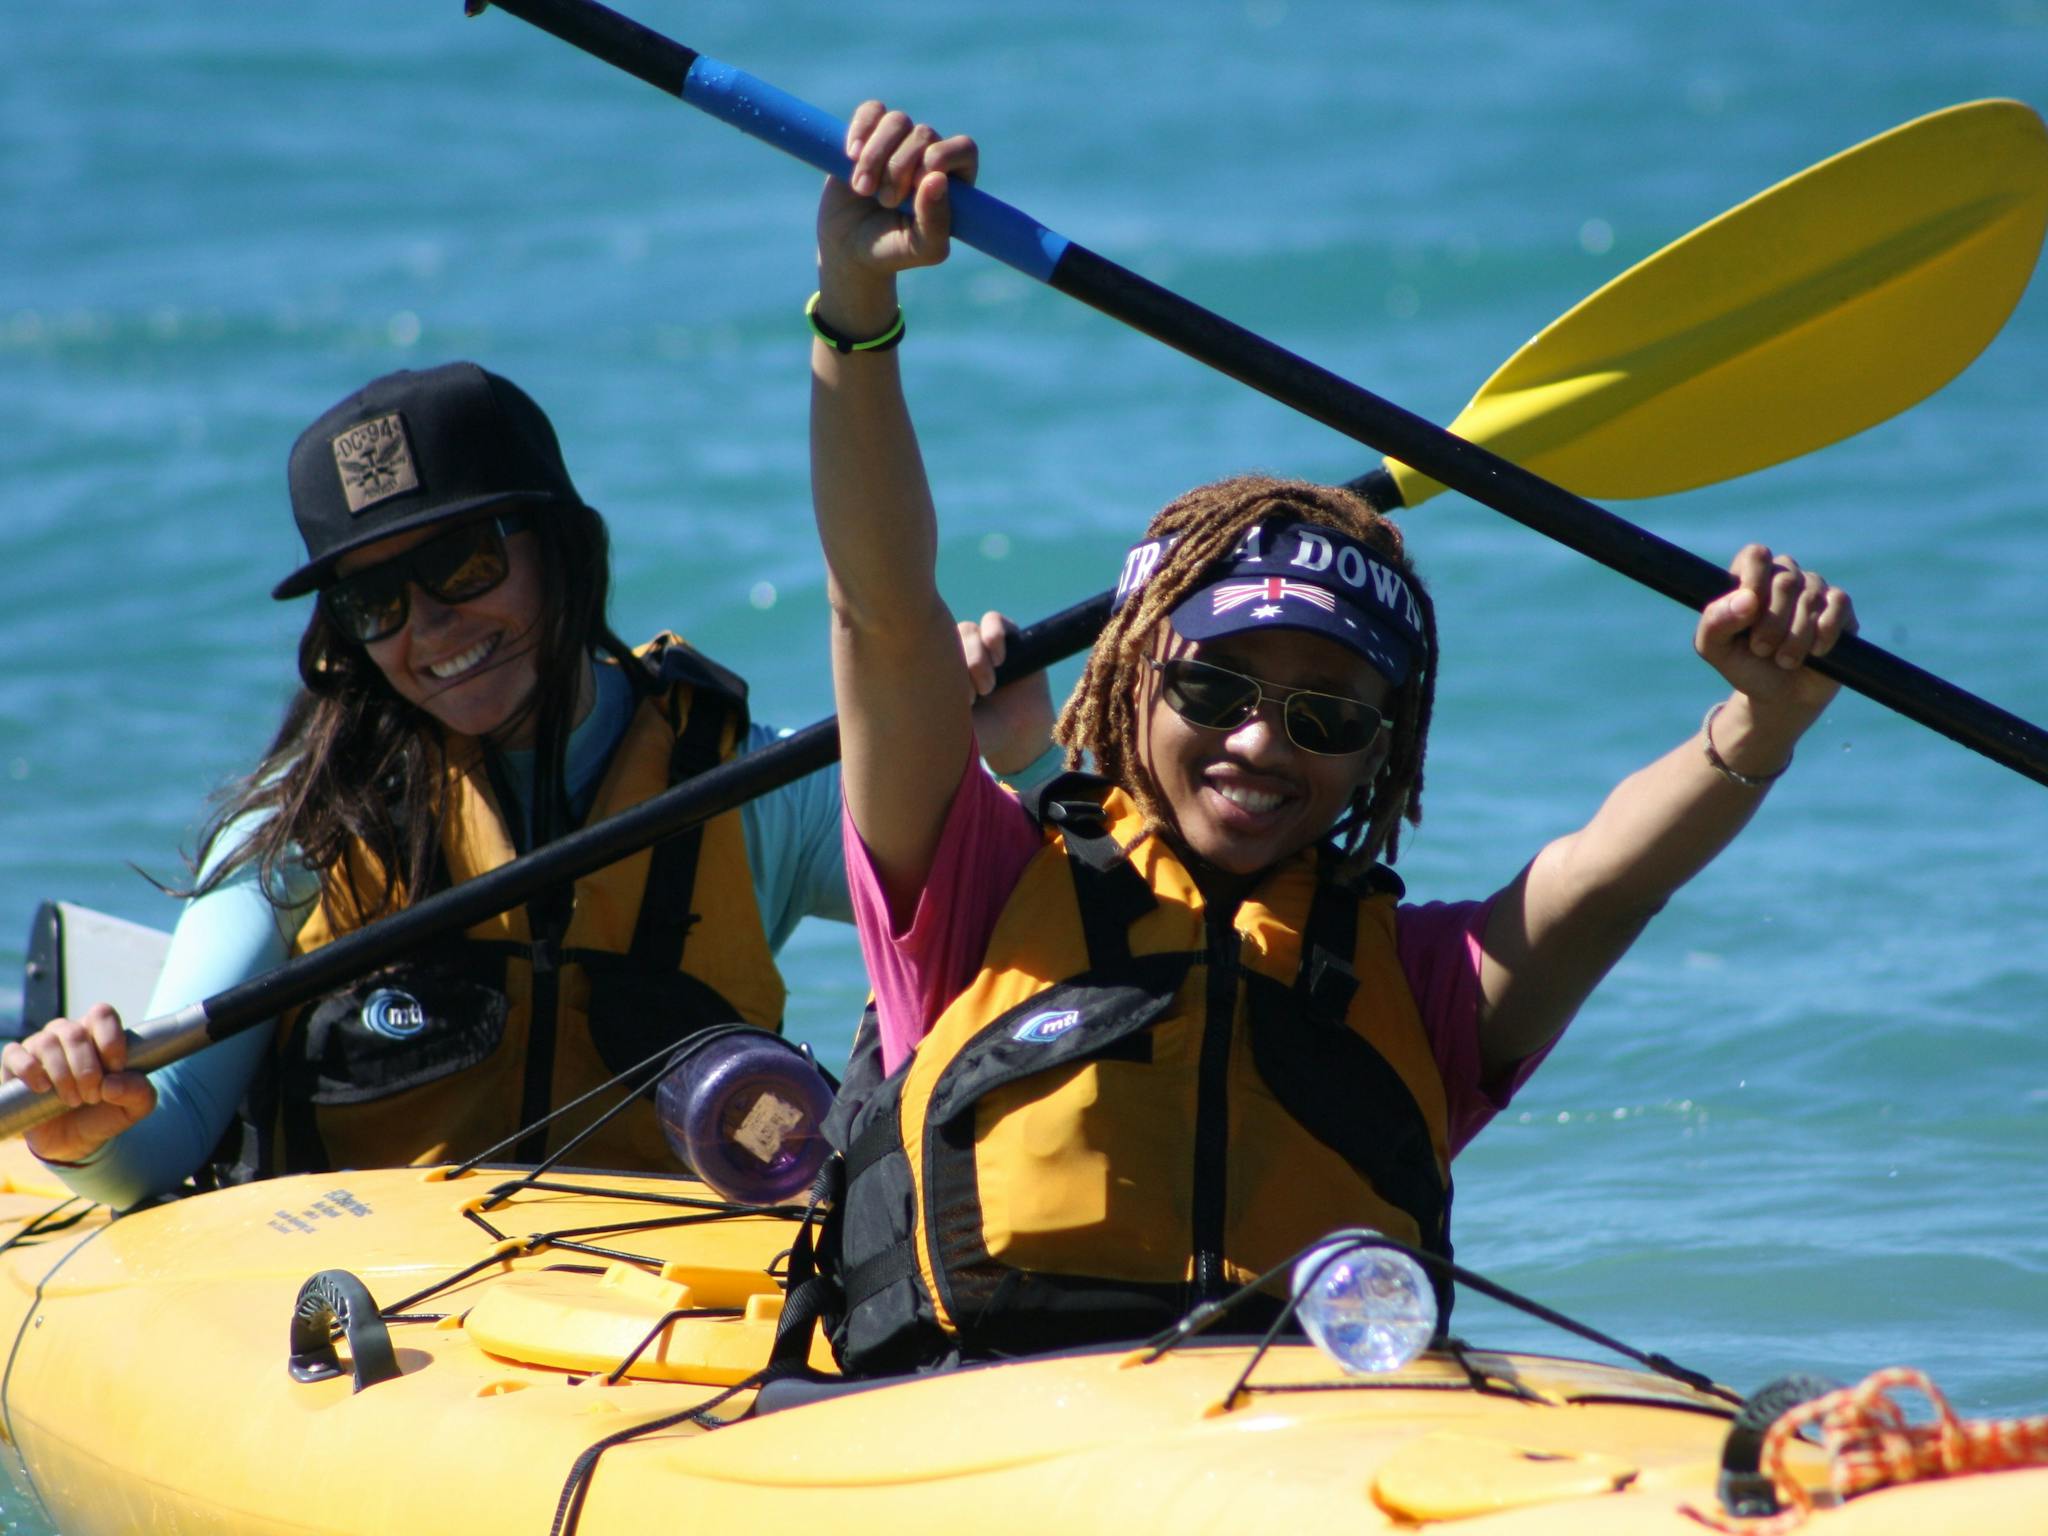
{"x": 1734, "y": 776}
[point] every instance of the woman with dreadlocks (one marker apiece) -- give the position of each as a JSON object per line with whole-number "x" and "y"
{"x": 1146, "y": 1034}
{"x": 465, "y": 700}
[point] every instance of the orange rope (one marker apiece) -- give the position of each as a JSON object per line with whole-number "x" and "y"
{"x": 1870, "y": 1445}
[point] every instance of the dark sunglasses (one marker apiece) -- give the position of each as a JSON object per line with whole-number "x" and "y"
{"x": 1217, "y": 699}
{"x": 453, "y": 567}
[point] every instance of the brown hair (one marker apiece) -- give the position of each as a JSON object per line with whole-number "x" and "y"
{"x": 353, "y": 762}
{"x": 1206, "y": 524}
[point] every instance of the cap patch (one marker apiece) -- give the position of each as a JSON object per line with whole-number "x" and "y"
{"x": 375, "y": 461}
{"x": 1268, "y": 594}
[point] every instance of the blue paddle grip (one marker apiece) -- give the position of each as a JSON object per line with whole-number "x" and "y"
{"x": 818, "y": 139}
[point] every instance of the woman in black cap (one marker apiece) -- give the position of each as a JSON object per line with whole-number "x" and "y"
{"x": 1149, "y": 1033}
{"x": 464, "y": 699}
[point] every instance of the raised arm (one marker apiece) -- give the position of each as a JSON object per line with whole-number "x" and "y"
{"x": 902, "y": 687}
{"x": 1560, "y": 924}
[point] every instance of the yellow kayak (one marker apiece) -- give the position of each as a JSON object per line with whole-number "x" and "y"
{"x": 600, "y": 1322}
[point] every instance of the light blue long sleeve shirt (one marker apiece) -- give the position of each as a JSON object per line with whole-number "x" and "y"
{"x": 234, "y": 932}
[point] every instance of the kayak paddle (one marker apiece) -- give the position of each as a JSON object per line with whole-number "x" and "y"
{"x": 2006, "y": 132}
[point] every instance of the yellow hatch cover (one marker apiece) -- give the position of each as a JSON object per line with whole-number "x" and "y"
{"x": 1448, "y": 1476}
{"x": 576, "y": 1321}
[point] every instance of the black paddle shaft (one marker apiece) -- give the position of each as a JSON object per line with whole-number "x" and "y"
{"x": 1315, "y": 392}
{"x": 675, "y": 810}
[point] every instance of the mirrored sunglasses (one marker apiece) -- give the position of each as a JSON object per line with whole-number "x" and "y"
{"x": 1216, "y": 699}
{"x": 458, "y": 566}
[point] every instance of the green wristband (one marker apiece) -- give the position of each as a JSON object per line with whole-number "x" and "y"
{"x": 844, "y": 344}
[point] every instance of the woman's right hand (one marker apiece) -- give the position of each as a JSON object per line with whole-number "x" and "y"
{"x": 892, "y": 215}
{"x": 83, "y": 1062}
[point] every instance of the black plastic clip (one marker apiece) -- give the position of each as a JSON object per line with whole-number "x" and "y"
{"x": 336, "y": 1297}
{"x": 1745, "y": 1489}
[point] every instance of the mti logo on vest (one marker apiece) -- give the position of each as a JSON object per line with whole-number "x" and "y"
{"x": 393, "y": 1014}
{"x": 1044, "y": 1028}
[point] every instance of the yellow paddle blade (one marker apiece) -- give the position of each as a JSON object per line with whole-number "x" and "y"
{"x": 1818, "y": 308}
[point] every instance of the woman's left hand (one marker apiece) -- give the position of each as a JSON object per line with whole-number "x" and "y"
{"x": 1759, "y": 635}
{"x": 893, "y": 212}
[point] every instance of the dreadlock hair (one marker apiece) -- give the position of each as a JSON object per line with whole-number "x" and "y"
{"x": 353, "y": 762}
{"x": 1207, "y": 524}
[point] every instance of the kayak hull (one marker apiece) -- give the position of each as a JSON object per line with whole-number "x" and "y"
{"x": 147, "y": 1387}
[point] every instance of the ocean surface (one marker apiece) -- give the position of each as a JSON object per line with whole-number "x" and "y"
{"x": 1803, "y": 1126}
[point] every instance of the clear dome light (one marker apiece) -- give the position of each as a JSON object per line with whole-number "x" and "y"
{"x": 1370, "y": 1309}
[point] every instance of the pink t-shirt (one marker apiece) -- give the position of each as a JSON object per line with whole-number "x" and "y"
{"x": 919, "y": 960}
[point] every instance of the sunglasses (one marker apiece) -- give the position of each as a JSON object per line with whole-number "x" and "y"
{"x": 458, "y": 566}
{"x": 1217, "y": 699}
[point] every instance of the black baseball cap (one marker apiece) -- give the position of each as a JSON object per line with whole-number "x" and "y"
{"x": 414, "y": 448}
{"x": 1292, "y": 574}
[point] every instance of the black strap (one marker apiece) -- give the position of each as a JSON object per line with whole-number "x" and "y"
{"x": 1077, "y": 795}
{"x": 809, "y": 1292}
{"x": 548, "y": 915}
{"x": 665, "y": 916}
{"x": 665, "y": 905}
{"x": 680, "y": 662}
{"x": 876, "y": 1141}
{"x": 804, "y": 1304}
{"x": 547, "y": 920}
{"x": 1111, "y": 894}
{"x": 1210, "y": 1209}
{"x": 876, "y": 1274}
{"x": 1327, "y": 983}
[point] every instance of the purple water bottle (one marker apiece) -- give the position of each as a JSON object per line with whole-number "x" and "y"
{"x": 743, "y": 1109}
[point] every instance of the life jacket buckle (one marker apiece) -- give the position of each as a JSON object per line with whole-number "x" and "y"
{"x": 1328, "y": 985}
{"x": 1087, "y": 818}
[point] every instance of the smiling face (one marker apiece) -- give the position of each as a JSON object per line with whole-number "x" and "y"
{"x": 472, "y": 666}
{"x": 1243, "y": 799}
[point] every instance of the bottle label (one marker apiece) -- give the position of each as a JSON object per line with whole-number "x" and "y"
{"x": 767, "y": 1125}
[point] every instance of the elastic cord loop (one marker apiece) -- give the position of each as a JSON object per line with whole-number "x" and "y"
{"x": 1714, "y": 760}
{"x": 844, "y": 344}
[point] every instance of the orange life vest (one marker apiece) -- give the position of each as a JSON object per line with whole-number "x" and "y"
{"x": 1140, "y": 1102}
{"x": 455, "y": 1050}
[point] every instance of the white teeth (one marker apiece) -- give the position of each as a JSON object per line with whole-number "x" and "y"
{"x": 1250, "y": 799}
{"x": 455, "y": 665}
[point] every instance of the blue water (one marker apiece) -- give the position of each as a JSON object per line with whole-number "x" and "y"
{"x": 1804, "y": 1125}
